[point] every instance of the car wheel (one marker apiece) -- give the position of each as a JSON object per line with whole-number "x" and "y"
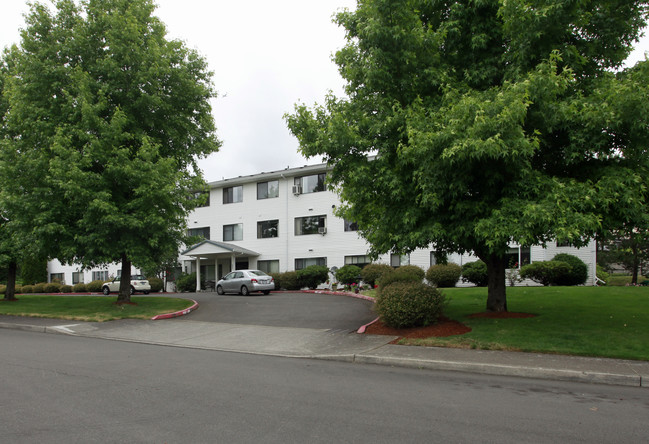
{"x": 266, "y": 291}
{"x": 244, "y": 291}
{"x": 145, "y": 292}
{"x": 132, "y": 290}
{"x": 219, "y": 290}
{"x": 106, "y": 291}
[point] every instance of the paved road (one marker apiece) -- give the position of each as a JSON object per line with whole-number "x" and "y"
{"x": 62, "y": 389}
{"x": 298, "y": 310}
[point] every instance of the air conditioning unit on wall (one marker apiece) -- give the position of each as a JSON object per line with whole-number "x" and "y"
{"x": 322, "y": 230}
{"x": 297, "y": 189}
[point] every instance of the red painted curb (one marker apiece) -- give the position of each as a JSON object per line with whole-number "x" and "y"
{"x": 362, "y": 328}
{"x": 177, "y": 313}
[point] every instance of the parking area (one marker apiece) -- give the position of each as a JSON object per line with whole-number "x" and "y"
{"x": 283, "y": 309}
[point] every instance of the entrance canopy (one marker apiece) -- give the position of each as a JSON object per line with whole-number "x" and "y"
{"x": 211, "y": 251}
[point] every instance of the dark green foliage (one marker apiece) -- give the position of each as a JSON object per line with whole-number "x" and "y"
{"x": 94, "y": 286}
{"x": 476, "y": 273}
{"x": 39, "y": 288}
{"x": 312, "y": 276}
{"x": 3, "y": 288}
{"x": 444, "y": 275}
{"x": 277, "y": 280}
{"x": 602, "y": 275}
{"x": 578, "y": 270}
{"x": 53, "y": 287}
{"x": 401, "y": 274}
{"x": 33, "y": 271}
{"x": 349, "y": 274}
{"x": 80, "y": 288}
{"x": 290, "y": 281}
{"x": 409, "y": 304}
{"x": 372, "y": 273}
{"x": 19, "y": 289}
{"x": 546, "y": 272}
{"x": 66, "y": 288}
{"x": 156, "y": 284}
{"x": 27, "y": 289}
{"x": 186, "y": 282}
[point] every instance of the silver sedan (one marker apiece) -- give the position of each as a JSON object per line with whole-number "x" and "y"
{"x": 244, "y": 282}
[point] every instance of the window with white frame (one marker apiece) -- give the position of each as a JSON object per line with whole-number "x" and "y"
{"x": 516, "y": 257}
{"x": 233, "y": 194}
{"x": 267, "y": 229}
{"x": 398, "y": 260}
{"x": 311, "y": 184}
{"x": 310, "y": 225}
{"x": 77, "y": 277}
{"x": 232, "y": 232}
{"x": 268, "y": 190}
{"x": 269, "y": 266}
{"x": 301, "y": 263}
{"x": 359, "y": 260}
{"x": 57, "y": 277}
{"x": 100, "y": 275}
{"x": 203, "y": 232}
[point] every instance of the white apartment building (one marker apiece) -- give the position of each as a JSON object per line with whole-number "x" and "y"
{"x": 284, "y": 220}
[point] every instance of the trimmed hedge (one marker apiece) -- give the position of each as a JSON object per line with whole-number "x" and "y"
{"x": 349, "y": 274}
{"x": 372, "y": 273}
{"x": 28, "y": 289}
{"x": 289, "y": 281}
{"x": 66, "y": 288}
{"x": 578, "y": 274}
{"x": 409, "y": 304}
{"x": 401, "y": 274}
{"x": 186, "y": 282}
{"x": 80, "y": 288}
{"x": 53, "y": 287}
{"x": 312, "y": 276}
{"x": 94, "y": 286}
{"x": 156, "y": 284}
{"x": 277, "y": 280}
{"x": 476, "y": 273}
{"x": 444, "y": 275}
{"x": 545, "y": 272}
{"x": 39, "y": 288}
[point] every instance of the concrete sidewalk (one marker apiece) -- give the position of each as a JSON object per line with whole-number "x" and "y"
{"x": 344, "y": 346}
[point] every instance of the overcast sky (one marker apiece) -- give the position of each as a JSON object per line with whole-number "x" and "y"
{"x": 266, "y": 56}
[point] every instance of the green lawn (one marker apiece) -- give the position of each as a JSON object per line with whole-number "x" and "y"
{"x": 91, "y": 308}
{"x": 590, "y": 321}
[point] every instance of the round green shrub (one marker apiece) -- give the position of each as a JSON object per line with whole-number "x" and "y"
{"x": 409, "y": 304}
{"x": 312, "y": 276}
{"x": 444, "y": 275}
{"x": 277, "y": 279}
{"x": 19, "y": 289}
{"x": 401, "y": 274}
{"x": 290, "y": 281}
{"x": 66, "y": 288}
{"x": 3, "y": 289}
{"x": 545, "y": 272}
{"x": 186, "y": 282}
{"x": 95, "y": 286}
{"x": 156, "y": 284}
{"x": 578, "y": 274}
{"x": 39, "y": 288}
{"x": 53, "y": 287}
{"x": 80, "y": 288}
{"x": 476, "y": 273}
{"x": 372, "y": 273}
{"x": 349, "y": 274}
{"x": 28, "y": 289}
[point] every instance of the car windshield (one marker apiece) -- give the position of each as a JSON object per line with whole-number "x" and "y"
{"x": 138, "y": 277}
{"x": 258, "y": 273}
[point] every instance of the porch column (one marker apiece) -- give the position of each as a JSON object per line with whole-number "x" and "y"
{"x": 233, "y": 262}
{"x": 198, "y": 273}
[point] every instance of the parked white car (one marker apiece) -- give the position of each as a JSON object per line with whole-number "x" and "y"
{"x": 245, "y": 281}
{"x": 138, "y": 283}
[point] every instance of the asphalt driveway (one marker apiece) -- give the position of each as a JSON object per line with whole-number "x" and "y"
{"x": 301, "y": 310}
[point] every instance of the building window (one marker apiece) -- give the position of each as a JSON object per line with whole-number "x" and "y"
{"x": 268, "y": 190}
{"x": 311, "y": 184}
{"x": 564, "y": 244}
{"x": 268, "y": 266}
{"x": 232, "y": 232}
{"x": 307, "y": 262}
{"x": 233, "y": 194}
{"x": 203, "y": 232}
{"x": 351, "y": 226}
{"x": 204, "y": 197}
{"x": 77, "y": 277}
{"x": 267, "y": 229}
{"x": 359, "y": 261}
{"x": 516, "y": 257}
{"x": 310, "y": 225}
{"x": 100, "y": 275}
{"x": 57, "y": 277}
{"x": 398, "y": 260}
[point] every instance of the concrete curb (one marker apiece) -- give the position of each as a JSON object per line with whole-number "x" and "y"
{"x": 176, "y": 313}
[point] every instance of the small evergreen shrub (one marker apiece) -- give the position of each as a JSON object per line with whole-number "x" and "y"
{"x": 401, "y": 274}
{"x": 545, "y": 272}
{"x": 80, "y": 288}
{"x": 39, "y": 288}
{"x": 94, "y": 286}
{"x": 66, "y": 288}
{"x": 290, "y": 281}
{"x": 349, "y": 274}
{"x": 186, "y": 282}
{"x": 312, "y": 276}
{"x": 444, "y": 275}
{"x": 277, "y": 279}
{"x": 603, "y": 275}
{"x": 53, "y": 287}
{"x": 409, "y": 304}
{"x": 28, "y": 289}
{"x": 19, "y": 289}
{"x": 156, "y": 284}
{"x": 476, "y": 273}
{"x": 372, "y": 273}
{"x": 578, "y": 274}
{"x": 3, "y": 289}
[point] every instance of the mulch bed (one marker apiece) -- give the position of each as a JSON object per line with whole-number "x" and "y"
{"x": 445, "y": 327}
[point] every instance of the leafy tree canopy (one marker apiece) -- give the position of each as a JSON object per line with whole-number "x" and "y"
{"x": 106, "y": 119}
{"x": 474, "y": 124}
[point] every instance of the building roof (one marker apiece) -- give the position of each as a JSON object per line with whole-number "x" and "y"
{"x": 211, "y": 248}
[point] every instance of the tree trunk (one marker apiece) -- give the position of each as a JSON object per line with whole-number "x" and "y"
{"x": 496, "y": 292}
{"x": 124, "y": 295}
{"x": 636, "y": 262}
{"x": 10, "y": 292}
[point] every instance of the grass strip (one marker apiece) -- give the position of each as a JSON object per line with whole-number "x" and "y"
{"x": 91, "y": 308}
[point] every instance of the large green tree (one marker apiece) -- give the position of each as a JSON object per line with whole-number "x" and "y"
{"x": 473, "y": 124}
{"x": 106, "y": 118}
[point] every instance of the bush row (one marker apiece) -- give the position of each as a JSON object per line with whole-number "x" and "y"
{"x": 563, "y": 269}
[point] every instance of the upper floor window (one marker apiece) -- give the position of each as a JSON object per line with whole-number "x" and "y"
{"x": 203, "y": 197}
{"x": 203, "y": 232}
{"x": 311, "y": 184}
{"x": 310, "y": 225}
{"x": 233, "y": 194}
{"x": 267, "y": 190}
{"x": 267, "y": 228}
{"x": 351, "y": 226}
{"x": 232, "y": 232}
